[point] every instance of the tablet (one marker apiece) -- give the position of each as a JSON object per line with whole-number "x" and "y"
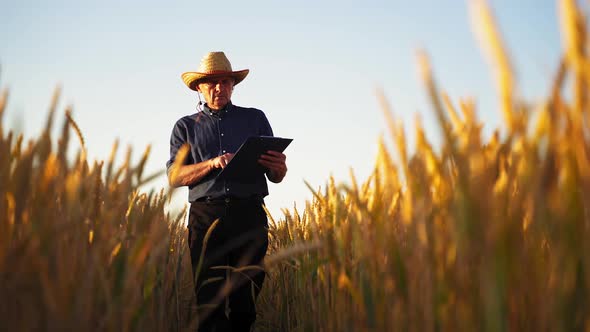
{"x": 244, "y": 166}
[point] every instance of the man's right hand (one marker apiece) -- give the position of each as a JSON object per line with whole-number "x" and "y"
{"x": 223, "y": 160}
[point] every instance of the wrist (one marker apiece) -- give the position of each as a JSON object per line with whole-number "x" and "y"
{"x": 277, "y": 176}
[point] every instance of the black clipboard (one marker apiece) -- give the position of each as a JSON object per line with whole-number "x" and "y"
{"x": 244, "y": 166}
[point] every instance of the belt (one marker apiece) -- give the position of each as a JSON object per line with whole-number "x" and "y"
{"x": 227, "y": 199}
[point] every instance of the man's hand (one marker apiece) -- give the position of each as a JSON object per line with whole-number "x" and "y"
{"x": 276, "y": 164}
{"x": 223, "y": 160}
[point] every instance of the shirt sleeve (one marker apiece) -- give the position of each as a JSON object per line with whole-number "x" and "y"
{"x": 265, "y": 128}
{"x": 177, "y": 139}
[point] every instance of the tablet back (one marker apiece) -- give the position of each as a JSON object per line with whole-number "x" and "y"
{"x": 244, "y": 166}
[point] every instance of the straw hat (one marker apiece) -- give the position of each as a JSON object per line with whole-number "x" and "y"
{"x": 213, "y": 64}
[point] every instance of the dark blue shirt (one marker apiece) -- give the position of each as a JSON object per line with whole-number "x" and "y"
{"x": 213, "y": 133}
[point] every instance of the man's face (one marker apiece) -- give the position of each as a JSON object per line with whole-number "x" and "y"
{"x": 217, "y": 91}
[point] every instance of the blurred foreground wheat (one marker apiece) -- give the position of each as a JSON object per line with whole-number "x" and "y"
{"x": 485, "y": 234}
{"x": 81, "y": 249}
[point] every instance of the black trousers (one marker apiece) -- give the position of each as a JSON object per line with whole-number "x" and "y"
{"x": 228, "y": 276}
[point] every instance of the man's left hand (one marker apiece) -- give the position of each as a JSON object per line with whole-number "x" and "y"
{"x": 276, "y": 164}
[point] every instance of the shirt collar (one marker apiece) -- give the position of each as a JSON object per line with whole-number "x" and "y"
{"x": 220, "y": 113}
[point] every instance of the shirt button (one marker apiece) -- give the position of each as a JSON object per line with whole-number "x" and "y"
{"x": 223, "y": 151}
{"x": 226, "y": 189}
{"x": 221, "y": 134}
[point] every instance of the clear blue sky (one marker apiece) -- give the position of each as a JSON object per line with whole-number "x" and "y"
{"x": 314, "y": 67}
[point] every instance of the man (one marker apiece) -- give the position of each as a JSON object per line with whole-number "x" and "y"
{"x": 240, "y": 236}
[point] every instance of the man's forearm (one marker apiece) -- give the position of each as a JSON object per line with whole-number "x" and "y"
{"x": 188, "y": 174}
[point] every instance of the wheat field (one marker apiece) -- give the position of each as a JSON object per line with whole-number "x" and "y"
{"x": 80, "y": 247}
{"x": 481, "y": 234}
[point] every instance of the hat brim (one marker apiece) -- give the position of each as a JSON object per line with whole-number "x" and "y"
{"x": 191, "y": 79}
